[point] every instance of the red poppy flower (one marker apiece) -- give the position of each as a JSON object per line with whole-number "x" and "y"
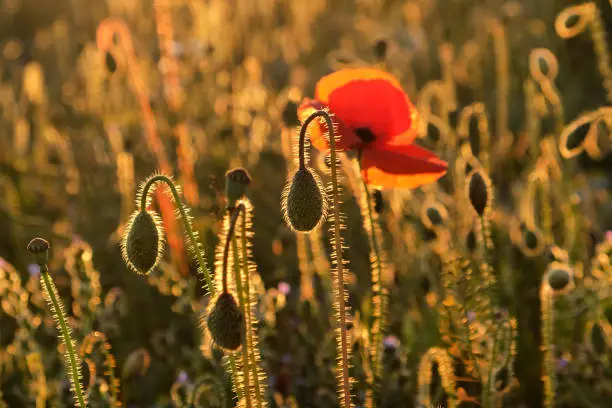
{"x": 373, "y": 114}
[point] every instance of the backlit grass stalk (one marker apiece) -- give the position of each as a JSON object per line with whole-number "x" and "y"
{"x": 557, "y": 280}
{"x": 379, "y": 292}
{"x": 444, "y": 361}
{"x": 40, "y": 249}
{"x": 548, "y": 335}
{"x": 110, "y": 364}
{"x": 589, "y": 16}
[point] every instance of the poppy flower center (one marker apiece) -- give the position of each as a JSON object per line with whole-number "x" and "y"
{"x": 365, "y": 134}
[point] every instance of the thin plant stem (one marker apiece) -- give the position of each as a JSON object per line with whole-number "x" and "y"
{"x": 194, "y": 243}
{"x": 378, "y": 291}
{"x": 71, "y": 356}
{"x": 248, "y": 318}
{"x": 243, "y": 307}
{"x": 345, "y": 383}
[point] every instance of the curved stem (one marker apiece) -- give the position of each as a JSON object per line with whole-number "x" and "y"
{"x": 303, "y": 131}
{"x": 228, "y": 239}
{"x": 186, "y": 223}
{"x": 337, "y": 242}
{"x": 65, "y": 331}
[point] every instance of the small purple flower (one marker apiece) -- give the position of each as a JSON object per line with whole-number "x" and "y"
{"x": 34, "y": 270}
{"x": 562, "y": 363}
{"x": 391, "y": 342}
{"x": 182, "y": 377}
{"x": 471, "y": 316}
{"x": 284, "y": 288}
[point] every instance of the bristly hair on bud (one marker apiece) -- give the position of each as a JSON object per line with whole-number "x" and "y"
{"x": 480, "y": 192}
{"x": 143, "y": 242}
{"x": 303, "y": 202}
{"x": 237, "y": 181}
{"x": 226, "y": 322}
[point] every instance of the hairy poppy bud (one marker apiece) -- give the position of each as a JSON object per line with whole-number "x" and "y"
{"x": 40, "y": 249}
{"x": 558, "y": 276}
{"x": 433, "y": 215}
{"x": 236, "y": 182}
{"x": 531, "y": 239}
{"x": 142, "y": 242}
{"x": 479, "y": 191}
{"x": 226, "y": 322}
{"x": 304, "y": 205}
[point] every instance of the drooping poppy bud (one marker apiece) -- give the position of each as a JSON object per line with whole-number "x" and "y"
{"x": 479, "y": 191}
{"x": 226, "y": 322}
{"x": 142, "y": 244}
{"x": 304, "y": 203}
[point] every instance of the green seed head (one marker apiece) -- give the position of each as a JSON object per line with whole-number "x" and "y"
{"x": 226, "y": 322}
{"x": 558, "y": 276}
{"x": 40, "y": 249}
{"x": 479, "y": 191}
{"x": 142, "y": 242}
{"x": 236, "y": 183}
{"x": 304, "y": 204}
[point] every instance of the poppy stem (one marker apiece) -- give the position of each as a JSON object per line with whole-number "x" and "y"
{"x": 379, "y": 295}
{"x": 302, "y": 140}
{"x": 228, "y": 239}
{"x": 184, "y": 215}
{"x": 337, "y": 257}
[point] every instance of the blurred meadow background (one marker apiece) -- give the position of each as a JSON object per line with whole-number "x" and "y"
{"x": 512, "y": 307}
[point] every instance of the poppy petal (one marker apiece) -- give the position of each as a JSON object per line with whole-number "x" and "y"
{"x": 368, "y": 98}
{"x": 347, "y": 139}
{"x": 401, "y": 166}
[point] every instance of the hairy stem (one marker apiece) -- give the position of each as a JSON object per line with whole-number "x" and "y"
{"x": 378, "y": 291}
{"x": 243, "y": 303}
{"x": 248, "y": 313}
{"x": 230, "y": 238}
{"x": 345, "y": 386}
{"x": 71, "y": 356}
{"x": 194, "y": 243}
